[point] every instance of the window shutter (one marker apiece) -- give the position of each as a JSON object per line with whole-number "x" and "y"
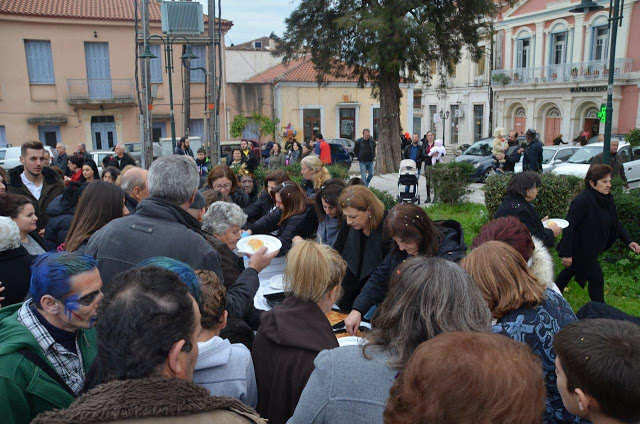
{"x": 39, "y": 62}
{"x": 156, "y": 64}
{"x": 197, "y": 126}
{"x": 197, "y": 75}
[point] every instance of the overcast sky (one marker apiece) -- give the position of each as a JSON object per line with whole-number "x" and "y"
{"x": 254, "y": 18}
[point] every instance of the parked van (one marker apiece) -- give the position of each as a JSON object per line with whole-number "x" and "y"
{"x": 10, "y": 156}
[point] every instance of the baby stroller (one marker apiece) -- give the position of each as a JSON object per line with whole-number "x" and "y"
{"x": 408, "y": 179}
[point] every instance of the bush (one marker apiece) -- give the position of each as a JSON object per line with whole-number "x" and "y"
{"x": 553, "y": 199}
{"x": 450, "y": 181}
{"x": 628, "y": 207}
{"x": 388, "y": 200}
{"x": 338, "y": 171}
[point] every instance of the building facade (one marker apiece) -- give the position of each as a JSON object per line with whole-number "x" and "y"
{"x": 338, "y": 110}
{"x": 552, "y": 69}
{"x": 72, "y": 74}
{"x": 245, "y": 60}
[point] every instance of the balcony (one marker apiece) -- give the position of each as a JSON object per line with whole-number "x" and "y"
{"x": 417, "y": 110}
{"x": 596, "y": 70}
{"x": 100, "y": 91}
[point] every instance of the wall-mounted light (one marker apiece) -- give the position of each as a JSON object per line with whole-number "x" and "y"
{"x": 95, "y": 34}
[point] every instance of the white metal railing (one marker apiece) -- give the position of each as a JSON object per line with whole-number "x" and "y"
{"x": 100, "y": 89}
{"x": 567, "y": 72}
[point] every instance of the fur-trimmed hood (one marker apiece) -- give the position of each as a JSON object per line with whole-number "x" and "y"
{"x": 151, "y": 398}
{"x": 50, "y": 176}
{"x": 541, "y": 264}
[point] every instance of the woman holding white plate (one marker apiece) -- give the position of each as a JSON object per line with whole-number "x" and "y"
{"x": 521, "y": 191}
{"x": 593, "y": 227}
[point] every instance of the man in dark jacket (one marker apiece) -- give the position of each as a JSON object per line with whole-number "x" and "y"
{"x": 183, "y": 148}
{"x": 60, "y": 213}
{"x": 149, "y": 308}
{"x": 119, "y": 160}
{"x": 512, "y": 155}
{"x": 61, "y": 160}
{"x": 365, "y": 151}
{"x": 414, "y": 151}
{"x": 47, "y": 344}
{"x": 615, "y": 160}
{"x": 35, "y": 181}
{"x": 532, "y": 160}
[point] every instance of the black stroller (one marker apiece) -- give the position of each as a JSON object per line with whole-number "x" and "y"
{"x": 408, "y": 179}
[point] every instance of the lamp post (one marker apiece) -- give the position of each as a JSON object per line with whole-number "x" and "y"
{"x": 444, "y": 116}
{"x": 168, "y": 59}
{"x": 615, "y": 19}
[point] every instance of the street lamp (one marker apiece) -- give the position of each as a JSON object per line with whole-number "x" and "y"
{"x": 168, "y": 56}
{"x": 444, "y": 116}
{"x": 615, "y": 19}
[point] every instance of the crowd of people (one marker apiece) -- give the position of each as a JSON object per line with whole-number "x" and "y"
{"x": 124, "y": 298}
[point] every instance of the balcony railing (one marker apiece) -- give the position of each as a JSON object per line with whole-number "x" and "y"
{"x": 100, "y": 90}
{"x": 595, "y": 70}
{"x": 417, "y": 110}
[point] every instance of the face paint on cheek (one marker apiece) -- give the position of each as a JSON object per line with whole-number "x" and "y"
{"x": 70, "y": 306}
{"x": 92, "y": 321}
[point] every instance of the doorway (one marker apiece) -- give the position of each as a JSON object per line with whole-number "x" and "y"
{"x": 592, "y": 122}
{"x": 103, "y": 132}
{"x": 98, "y": 70}
{"x": 520, "y": 121}
{"x": 348, "y": 122}
{"x": 552, "y": 126}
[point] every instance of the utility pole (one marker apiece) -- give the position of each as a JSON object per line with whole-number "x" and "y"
{"x": 213, "y": 148}
{"x": 186, "y": 98}
{"x": 147, "y": 140}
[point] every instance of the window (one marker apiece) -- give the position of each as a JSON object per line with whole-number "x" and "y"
{"x": 559, "y": 49}
{"x": 3, "y": 136}
{"x": 201, "y": 62}
{"x": 348, "y": 122}
{"x": 478, "y": 117}
{"x": 417, "y": 99}
{"x": 481, "y": 62}
{"x": 417, "y": 125}
{"x": 158, "y": 131}
{"x": 311, "y": 123}
{"x": 600, "y": 43}
{"x": 258, "y": 44}
{"x": 522, "y": 60}
{"x": 196, "y": 128}
{"x": 39, "y": 62}
{"x": 376, "y": 123}
{"x": 454, "y": 124}
{"x": 156, "y": 64}
{"x": 49, "y": 135}
{"x": 433, "y": 109}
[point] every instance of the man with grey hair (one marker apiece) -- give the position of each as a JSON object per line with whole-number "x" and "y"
{"x": 134, "y": 184}
{"x": 120, "y": 159}
{"x": 61, "y": 160}
{"x": 615, "y": 161}
{"x": 82, "y": 151}
{"x": 162, "y": 226}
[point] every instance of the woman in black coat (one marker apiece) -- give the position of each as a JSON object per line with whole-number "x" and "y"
{"x": 521, "y": 191}
{"x": 15, "y": 263}
{"x": 360, "y": 240}
{"x": 593, "y": 228}
{"x": 60, "y": 212}
{"x": 413, "y": 234}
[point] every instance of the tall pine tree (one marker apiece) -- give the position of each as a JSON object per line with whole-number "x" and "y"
{"x": 384, "y": 41}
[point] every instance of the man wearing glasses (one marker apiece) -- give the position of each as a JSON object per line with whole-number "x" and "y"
{"x": 48, "y": 343}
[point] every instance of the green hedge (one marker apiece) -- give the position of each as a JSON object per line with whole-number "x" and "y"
{"x": 450, "y": 181}
{"x": 553, "y": 199}
{"x": 386, "y": 198}
{"x": 628, "y": 207}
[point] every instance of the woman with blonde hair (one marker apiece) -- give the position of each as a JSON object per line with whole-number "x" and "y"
{"x": 292, "y": 334}
{"x": 314, "y": 174}
{"x": 524, "y": 309}
{"x": 360, "y": 240}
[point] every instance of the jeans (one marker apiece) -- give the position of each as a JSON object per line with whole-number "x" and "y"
{"x": 366, "y": 172}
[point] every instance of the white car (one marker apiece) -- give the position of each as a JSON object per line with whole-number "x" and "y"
{"x": 552, "y": 156}
{"x": 10, "y": 156}
{"x": 579, "y": 163}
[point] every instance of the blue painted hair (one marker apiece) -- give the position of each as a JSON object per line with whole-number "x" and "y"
{"x": 51, "y": 273}
{"x": 184, "y": 271}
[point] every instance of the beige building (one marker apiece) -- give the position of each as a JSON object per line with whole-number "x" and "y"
{"x": 68, "y": 74}
{"x": 338, "y": 110}
{"x": 245, "y": 60}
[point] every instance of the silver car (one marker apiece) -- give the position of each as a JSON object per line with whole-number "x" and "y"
{"x": 348, "y": 144}
{"x": 552, "y": 156}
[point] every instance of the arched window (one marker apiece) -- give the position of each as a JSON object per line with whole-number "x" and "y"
{"x": 553, "y": 113}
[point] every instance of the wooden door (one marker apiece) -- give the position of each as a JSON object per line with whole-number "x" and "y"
{"x": 552, "y": 130}
{"x": 591, "y": 126}
{"x": 520, "y": 124}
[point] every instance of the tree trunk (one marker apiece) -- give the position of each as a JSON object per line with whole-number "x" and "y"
{"x": 389, "y": 154}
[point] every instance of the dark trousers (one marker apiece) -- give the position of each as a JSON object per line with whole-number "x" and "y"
{"x": 595, "y": 279}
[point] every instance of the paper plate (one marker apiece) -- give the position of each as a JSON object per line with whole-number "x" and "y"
{"x": 272, "y": 243}
{"x": 277, "y": 282}
{"x": 350, "y": 341}
{"x": 562, "y": 223}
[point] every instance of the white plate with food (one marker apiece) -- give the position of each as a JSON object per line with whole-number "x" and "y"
{"x": 277, "y": 282}
{"x": 350, "y": 341}
{"x": 562, "y": 223}
{"x": 252, "y": 244}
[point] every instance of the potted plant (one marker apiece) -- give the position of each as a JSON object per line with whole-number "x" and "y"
{"x": 554, "y": 75}
{"x": 574, "y": 72}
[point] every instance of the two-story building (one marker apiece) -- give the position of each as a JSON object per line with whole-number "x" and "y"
{"x": 552, "y": 68}
{"x": 68, "y": 74}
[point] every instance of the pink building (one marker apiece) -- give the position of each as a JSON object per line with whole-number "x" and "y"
{"x": 67, "y": 74}
{"x": 552, "y": 68}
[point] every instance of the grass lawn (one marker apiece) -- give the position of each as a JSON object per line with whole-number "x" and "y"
{"x": 621, "y": 272}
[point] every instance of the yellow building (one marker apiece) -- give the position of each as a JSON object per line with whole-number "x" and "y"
{"x": 338, "y": 110}
{"x": 67, "y": 74}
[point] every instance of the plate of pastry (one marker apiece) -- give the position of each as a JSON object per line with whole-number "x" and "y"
{"x": 252, "y": 244}
{"x": 556, "y": 222}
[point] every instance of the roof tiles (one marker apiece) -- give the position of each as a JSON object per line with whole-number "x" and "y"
{"x": 298, "y": 70}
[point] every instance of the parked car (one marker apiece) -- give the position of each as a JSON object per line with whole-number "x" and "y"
{"x": 348, "y": 144}
{"x": 579, "y": 163}
{"x": 228, "y": 145}
{"x": 552, "y": 156}
{"x": 135, "y": 150}
{"x": 340, "y": 155}
{"x": 10, "y": 156}
{"x": 479, "y": 155}
{"x": 594, "y": 139}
